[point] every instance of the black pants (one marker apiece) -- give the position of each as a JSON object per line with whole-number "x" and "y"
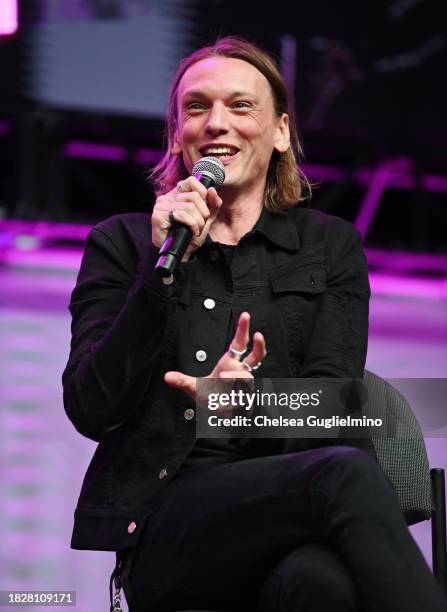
{"x": 311, "y": 531}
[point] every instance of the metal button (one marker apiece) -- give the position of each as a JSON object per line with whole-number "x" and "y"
{"x": 131, "y": 527}
{"x": 201, "y": 356}
{"x": 189, "y": 414}
{"x": 163, "y": 473}
{"x": 167, "y": 280}
{"x": 209, "y": 303}
{"x": 214, "y": 255}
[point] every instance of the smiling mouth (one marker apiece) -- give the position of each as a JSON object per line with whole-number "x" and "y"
{"x": 220, "y": 152}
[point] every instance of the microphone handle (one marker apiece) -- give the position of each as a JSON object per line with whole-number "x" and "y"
{"x": 173, "y": 249}
{"x": 178, "y": 239}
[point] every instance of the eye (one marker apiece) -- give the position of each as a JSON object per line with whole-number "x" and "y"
{"x": 241, "y": 104}
{"x": 195, "y": 106}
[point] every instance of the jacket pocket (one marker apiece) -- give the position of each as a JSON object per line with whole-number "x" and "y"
{"x": 297, "y": 288}
{"x": 310, "y": 279}
{"x": 305, "y": 273}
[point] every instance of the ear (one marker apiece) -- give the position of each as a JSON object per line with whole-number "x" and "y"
{"x": 282, "y": 137}
{"x": 176, "y": 149}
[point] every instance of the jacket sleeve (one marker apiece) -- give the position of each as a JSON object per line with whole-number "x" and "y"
{"x": 119, "y": 327}
{"x": 339, "y": 338}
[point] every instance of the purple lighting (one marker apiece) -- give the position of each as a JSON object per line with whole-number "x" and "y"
{"x": 44, "y": 230}
{"x": 323, "y": 172}
{"x": 396, "y": 179}
{"x": 148, "y": 157}
{"x": 372, "y": 199}
{"x": 88, "y": 150}
{"x": 406, "y": 262}
{"x": 5, "y": 126}
{"x": 60, "y": 259}
{"x": 396, "y": 174}
{"x": 8, "y": 17}
{"x": 382, "y": 284}
{"x": 31, "y": 244}
{"x": 111, "y": 153}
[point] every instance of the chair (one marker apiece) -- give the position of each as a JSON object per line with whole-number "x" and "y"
{"x": 403, "y": 458}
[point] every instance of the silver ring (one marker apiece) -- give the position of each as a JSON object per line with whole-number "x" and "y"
{"x": 171, "y": 217}
{"x": 236, "y": 354}
{"x": 180, "y": 186}
{"x": 250, "y": 368}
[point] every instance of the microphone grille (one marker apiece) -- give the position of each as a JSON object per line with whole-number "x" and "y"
{"x": 212, "y": 166}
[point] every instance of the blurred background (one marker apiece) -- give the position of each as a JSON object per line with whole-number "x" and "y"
{"x": 83, "y": 93}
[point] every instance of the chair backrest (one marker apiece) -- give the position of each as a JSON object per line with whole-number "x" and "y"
{"x": 403, "y": 455}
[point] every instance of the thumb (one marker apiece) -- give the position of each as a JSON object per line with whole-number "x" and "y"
{"x": 214, "y": 201}
{"x": 185, "y": 383}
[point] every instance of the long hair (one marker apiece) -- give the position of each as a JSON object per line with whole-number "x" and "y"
{"x": 286, "y": 184}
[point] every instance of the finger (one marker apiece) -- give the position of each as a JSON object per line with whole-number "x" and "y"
{"x": 185, "y": 383}
{"x": 188, "y": 202}
{"x": 214, "y": 208}
{"x": 185, "y": 217}
{"x": 163, "y": 221}
{"x": 235, "y": 374}
{"x": 193, "y": 184}
{"x": 198, "y": 204}
{"x": 258, "y": 352}
{"x": 214, "y": 202}
{"x": 240, "y": 340}
{"x": 226, "y": 362}
{"x": 184, "y": 212}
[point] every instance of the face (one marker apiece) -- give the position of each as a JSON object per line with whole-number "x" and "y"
{"x": 225, "y": 109}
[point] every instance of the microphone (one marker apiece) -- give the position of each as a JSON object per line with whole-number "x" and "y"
{"x": 210, "y": 172}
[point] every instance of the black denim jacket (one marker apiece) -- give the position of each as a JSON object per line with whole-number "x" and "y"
{"x": 302, "y": 276}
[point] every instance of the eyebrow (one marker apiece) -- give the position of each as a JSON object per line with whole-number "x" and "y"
{"x": 235, "y": 94}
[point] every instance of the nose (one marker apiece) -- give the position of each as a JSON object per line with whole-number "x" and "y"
{"x": 217, "y": 120}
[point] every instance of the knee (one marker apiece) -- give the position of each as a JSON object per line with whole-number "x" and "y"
{"x": 349, "y": 456}
{"x": 312, "y": 577}
{"x": 355, "y": 467}
{"x": 353, "y": 479}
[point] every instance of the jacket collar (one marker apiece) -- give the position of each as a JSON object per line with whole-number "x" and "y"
{"x": 279, "y": 228}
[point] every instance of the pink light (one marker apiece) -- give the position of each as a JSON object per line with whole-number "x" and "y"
{"x": 371, "y": 201}
{"x": 408, "y": 287}
{"x": 321, "y": 172}
{"x": 88, "y": 150}
{"x": 8, "y": 17}
{"x": 147, "y": 157}
{"x": 5, "y": 126}
{"x": 60, "y": 259}
{"x": 407, "y": 262}
{"x": 434, "y": 183}
{"x": 392, "y": 280}
{"x": 315, "y": 172}
{"x": 45, "y": 230}
{"x": 113, "y": 153}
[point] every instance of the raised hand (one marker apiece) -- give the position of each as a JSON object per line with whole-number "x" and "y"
{"x": 230, "y": 365}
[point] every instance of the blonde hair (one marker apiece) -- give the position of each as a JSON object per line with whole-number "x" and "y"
{"x": 286, "y": 184}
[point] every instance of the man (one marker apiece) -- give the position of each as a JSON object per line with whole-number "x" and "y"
{"x": 269, "y": 524}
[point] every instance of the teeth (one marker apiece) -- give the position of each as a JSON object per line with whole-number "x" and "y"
{"x": 220, "y": 151}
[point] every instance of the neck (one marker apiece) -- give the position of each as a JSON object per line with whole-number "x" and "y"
{"x": 238, "y": 214}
